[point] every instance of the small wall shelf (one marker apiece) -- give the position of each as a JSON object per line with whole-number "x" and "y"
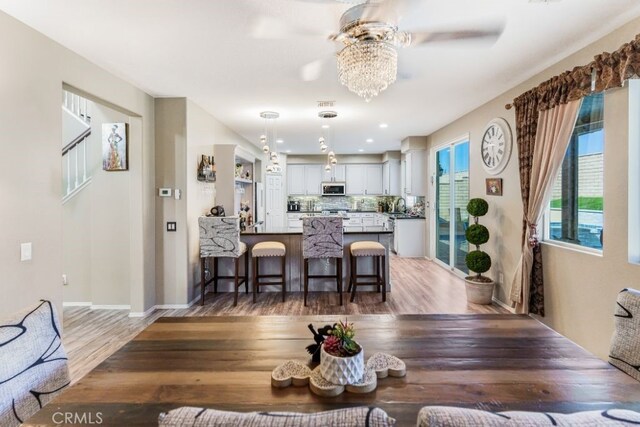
{"x": 244, "y": 181}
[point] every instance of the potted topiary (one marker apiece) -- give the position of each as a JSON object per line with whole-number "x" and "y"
{"x": 479, "y": 287}
{"x": 341, "y": 357}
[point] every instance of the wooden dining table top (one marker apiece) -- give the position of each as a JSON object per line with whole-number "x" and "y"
{"x": 495, "y": 362}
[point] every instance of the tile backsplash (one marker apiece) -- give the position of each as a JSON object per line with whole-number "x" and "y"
{"x": 362, "y": 203}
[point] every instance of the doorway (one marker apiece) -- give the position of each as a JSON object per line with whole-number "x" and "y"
{"x": 450, "y": 219}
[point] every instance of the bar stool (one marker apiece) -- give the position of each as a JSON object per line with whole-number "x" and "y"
{"x": 220, "y": 238}
{"x": 368, "y": 249}
{"x": 263, "y": 250}
{"x": 322, "y": 238}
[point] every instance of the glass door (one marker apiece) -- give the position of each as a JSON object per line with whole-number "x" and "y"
{"x": 451, "y": 198}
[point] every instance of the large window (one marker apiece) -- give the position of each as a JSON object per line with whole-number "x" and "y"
{"x": 576, "y": 210}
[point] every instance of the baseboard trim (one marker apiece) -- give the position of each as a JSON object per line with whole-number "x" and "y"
{"x": 111, "y": 307}
{"x": 163, "y": 307}
{"x": 503, "y": 305}
{"x": 142, "y": 313}
{"x": 76, "y": 304}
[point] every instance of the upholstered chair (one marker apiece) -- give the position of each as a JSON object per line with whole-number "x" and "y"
{"x": 625, "y": 344}
{"x": 322, "y": 238}
{"x": 220, "y": 238}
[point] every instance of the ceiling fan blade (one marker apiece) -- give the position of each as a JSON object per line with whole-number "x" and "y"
{"x": 313, "y": 70}
{"x": 269, "y": 28}
{"x": 486, "y": 35}
{"x": 385, "y": 10}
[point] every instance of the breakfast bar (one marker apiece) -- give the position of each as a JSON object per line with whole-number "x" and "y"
{"x": 292, "y": 239}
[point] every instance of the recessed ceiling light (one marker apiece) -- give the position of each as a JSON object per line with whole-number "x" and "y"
{"x": 279, "y": 141}
{"x": 361, "y": 150}
{"x": 383, "y": 125}
{"x": 287, "y": 151}
{"x": 369, "y": 140}
{"x": 325, "y": 126}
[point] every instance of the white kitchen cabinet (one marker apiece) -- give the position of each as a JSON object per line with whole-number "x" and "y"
{"x": 337, "y": 174}
{"x": 304, "y": 180}
{"x": 391, "y": 178}
{"x": 294, "y": 221}
{"x": 415, "y": 173}
{"x": 355, "y": 180}
{"x": 313, "y": 179}
{"x": 295, "y": 180}
{"x": 409, "y": 237}
{"x": 373, "y": 180}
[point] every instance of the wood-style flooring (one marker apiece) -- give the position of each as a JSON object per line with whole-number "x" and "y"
{"x": 419, "y": 287}
{"x": 496, "y": 362}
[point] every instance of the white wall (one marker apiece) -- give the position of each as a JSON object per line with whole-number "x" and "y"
{"x": 580, "y": 289}
{"x": 33, "y": 71}
{"x": 96, "y": 229}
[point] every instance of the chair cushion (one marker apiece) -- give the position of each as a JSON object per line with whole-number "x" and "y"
{"x": 33, "y": 363}
{"x": 349, "y": 417}
{"x": 442, "y": 416}
{"x": 625, "y": 344}
{"x": 268, "y": 249}
{"x": 367, "y": 249}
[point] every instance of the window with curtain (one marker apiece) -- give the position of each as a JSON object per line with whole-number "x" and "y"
{"x": 576, "y": 211}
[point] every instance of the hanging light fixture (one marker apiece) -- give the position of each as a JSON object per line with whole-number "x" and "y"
{"x": 268, "y": 140}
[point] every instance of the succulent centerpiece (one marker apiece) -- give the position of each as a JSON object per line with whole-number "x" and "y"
{"x": 341, "y": 357}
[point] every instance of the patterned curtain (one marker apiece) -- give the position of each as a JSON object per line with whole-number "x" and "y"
{"x": 610, "y": 70}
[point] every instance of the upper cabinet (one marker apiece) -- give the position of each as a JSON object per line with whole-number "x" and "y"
{"x": 414, "y": 173}
{"x": 364, "y": 180}
{"x": 391, "y": 178}
{"x": 303, "y": 180}
{"x": 337, "y": 174}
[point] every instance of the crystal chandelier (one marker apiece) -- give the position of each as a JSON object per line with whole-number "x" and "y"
{"x": 267, "y": 140}
{"x": 367, "y": 67}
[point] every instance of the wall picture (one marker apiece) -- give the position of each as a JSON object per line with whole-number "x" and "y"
{"x": 494, "y": 186}
{"x": 114, "y": 147}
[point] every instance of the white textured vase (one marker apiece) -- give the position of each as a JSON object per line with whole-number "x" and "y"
{"x": 342, "y": 370}
{"x": 479, "y": 292}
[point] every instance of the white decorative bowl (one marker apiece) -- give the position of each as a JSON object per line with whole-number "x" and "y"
{"x": 342, "y": 370}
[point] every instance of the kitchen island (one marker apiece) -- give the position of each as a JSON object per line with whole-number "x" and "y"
{"x": 292, "y": 239}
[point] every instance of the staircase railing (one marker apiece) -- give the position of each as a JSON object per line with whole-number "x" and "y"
{"x": 75, "y": 154}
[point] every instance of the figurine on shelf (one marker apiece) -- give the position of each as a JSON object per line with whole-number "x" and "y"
{"x": 239, "y": 170}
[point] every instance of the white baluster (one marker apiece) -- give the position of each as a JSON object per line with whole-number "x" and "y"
{"x": 75, "y": 150}
{"x": 68, "y": 174}
{"x": 84, "y": 160}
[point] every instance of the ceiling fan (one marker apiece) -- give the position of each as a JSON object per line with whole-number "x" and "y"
{"x": 369, "y": 37}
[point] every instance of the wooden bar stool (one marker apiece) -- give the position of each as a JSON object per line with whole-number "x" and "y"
{"x": 268, "y": 249}
{"x": 368, "y": 249}
{"x": 322, "y": 238}
{"x": 220, "y": 238}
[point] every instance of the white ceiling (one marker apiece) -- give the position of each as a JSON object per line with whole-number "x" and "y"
{"x": 202, "y": 49}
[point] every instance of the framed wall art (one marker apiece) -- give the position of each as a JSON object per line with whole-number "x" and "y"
{"x": 494, "y": 186}
{"x": 114, "y": 147}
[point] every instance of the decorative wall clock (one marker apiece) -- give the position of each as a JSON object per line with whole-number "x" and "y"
{"x": 496, "y": 146}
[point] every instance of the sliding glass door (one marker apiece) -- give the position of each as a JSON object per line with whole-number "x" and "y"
{"x": 451, "y": 197}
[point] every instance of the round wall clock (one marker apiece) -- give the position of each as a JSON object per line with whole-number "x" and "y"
{"x": 496, "y": 146}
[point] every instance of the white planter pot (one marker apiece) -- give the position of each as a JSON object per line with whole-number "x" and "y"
{"x": 342, "y": 370}
{"x": 479, "y": 292}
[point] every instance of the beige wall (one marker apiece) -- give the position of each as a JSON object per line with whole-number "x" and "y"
{"x": 95, "y": 227}
{"x": 184, "y": 132}
{"x": 33, "y": 71}
{"x": 580, "y": 288}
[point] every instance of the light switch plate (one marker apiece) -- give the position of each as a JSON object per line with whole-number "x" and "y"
{"x": 177, "y": 193}
{"x": 25, "y": 251}
{"x": 171, "y": 226}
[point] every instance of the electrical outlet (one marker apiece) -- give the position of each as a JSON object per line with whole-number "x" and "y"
{"x": 64, "y": 280}
{"x": 171, "y": 226}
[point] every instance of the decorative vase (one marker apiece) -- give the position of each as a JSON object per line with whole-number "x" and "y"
{"x": 479, "y": 292}
{"x": 342, "y": 370}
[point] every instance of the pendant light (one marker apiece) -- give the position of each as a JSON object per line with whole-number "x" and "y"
{"x": 268, "y": 141}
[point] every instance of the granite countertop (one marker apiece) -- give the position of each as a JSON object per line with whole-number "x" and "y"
{"x": 333, "y": 211}
{"x": 260, "y": 230}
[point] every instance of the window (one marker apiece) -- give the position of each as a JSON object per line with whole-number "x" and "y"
{"x": 575, "y": 213}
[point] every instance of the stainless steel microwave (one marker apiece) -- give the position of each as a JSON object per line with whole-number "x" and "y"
{"x": 334, "y": 188}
